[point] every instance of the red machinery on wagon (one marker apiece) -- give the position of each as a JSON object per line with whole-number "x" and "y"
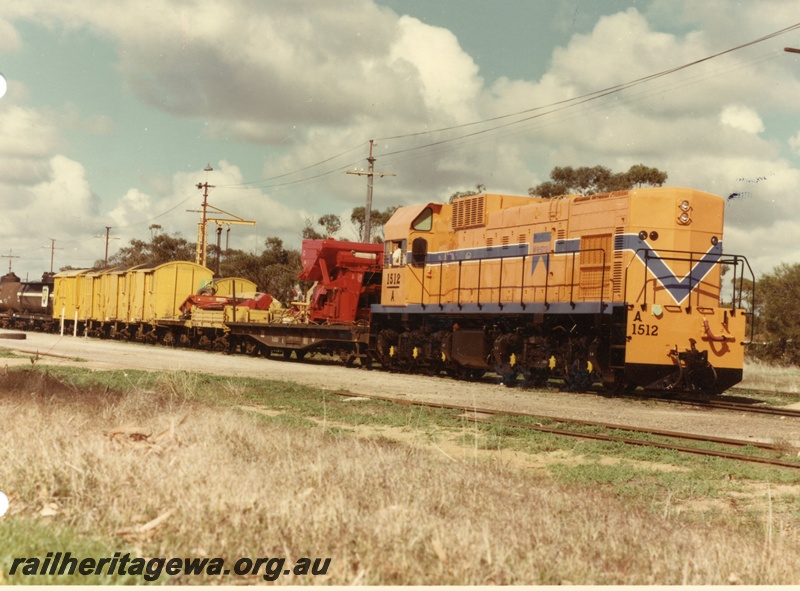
{"x": 335, "y": 317}
{"x": 343, "y": 272}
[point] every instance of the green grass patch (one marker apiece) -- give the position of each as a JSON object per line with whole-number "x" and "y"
{"x": 9, "y": 354}
{"x": 304, "y": 407}
{"x": 30, "y": 538}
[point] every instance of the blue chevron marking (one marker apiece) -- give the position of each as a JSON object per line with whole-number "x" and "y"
{"x": 541, "y": 250}
{"x": 678, "y": 288}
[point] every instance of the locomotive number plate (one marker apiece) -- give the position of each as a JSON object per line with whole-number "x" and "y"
{"x": 645, "y": 330}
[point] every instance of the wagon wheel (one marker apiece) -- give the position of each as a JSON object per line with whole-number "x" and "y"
{"x": 253, "y": 349}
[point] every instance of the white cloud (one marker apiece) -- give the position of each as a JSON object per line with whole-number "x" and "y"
{"x": 314, "y": 79}
{"x": 742, "y": 118}
{"x": 25, "y": 132}
{"x": 9, "y": 39}
{"x": 447, "y": 78}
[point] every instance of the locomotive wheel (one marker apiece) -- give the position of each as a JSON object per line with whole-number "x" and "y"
{"x": 535, "y": 378}
{"x": 578, "y": 377}
{"x": 468, "y": 374}
{"x": 387, "y": 348}
{"x": 506, "y": 352}
{"x": 507, "y": 373}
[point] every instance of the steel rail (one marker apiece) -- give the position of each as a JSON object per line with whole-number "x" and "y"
{"x": 639, "y": 442}
{"x": 734, "y": 406}
{"x": 612, "y": 438}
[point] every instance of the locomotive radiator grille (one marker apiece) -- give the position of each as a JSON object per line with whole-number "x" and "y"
{"x": 469, "y": 212}
{"x": 618, "y": 261}
{"x": 594, "y": 264}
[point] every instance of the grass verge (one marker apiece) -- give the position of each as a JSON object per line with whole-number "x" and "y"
{"x": 236, "y": 468}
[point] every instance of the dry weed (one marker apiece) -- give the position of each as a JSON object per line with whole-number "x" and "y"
{"x": 236, "y": 485}
{"x": 764, "y": 376}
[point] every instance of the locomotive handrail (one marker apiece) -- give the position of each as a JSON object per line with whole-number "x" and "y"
{"x": 733, "y": 260}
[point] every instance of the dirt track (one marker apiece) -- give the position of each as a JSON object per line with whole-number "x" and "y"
{"x": 104, "y": 355}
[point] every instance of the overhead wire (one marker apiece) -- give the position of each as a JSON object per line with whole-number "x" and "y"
{"x": 530, "y": 114}
{"x": 603, "y": 92}
{"x": 533, "y": 122}
{"x": 525, "y": 116}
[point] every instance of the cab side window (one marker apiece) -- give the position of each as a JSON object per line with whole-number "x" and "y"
{"x": 424, "y": 221}
{"x": 395, "y": 253}
{"x": 419, "y": 252}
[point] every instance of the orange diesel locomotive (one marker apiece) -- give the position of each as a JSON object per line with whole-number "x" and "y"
{"x": 623, "y": 287}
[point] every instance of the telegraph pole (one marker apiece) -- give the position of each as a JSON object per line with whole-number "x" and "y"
{"x": 52, "y": 252}
{"x": 200, "y": 259}
{"x": 370, "y": 173}
{"x": 108, "y": 238}
{"x": 202, "y": 234}
{"x": 9, "y": 256}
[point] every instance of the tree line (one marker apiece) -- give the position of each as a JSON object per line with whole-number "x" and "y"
{"x": 274, "y": 270}
{"x": 776, "y": 307}
{"x": 276, "y": 267}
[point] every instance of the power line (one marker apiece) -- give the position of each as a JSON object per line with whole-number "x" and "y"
{"x": 553, "y": 108}
{"x": 604, "y": 92}
{"x": 525, "y": 115}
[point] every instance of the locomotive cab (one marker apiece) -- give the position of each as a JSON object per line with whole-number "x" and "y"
{"x": 418, "y": 226}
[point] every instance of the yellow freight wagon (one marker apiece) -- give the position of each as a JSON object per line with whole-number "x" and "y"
{"x": 157, "y": 291}
{"x": 68, "y": 296}
{"x": 91, "y": 295}
{"x": 234, "y": 286}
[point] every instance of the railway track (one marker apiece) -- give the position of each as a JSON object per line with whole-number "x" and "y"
{"x": 481, "y": 415}
{"x": 733, "y": 406}
{"x": 751, "y": 407}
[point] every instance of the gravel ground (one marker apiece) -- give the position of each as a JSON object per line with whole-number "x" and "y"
{"x": 97, "y": 354}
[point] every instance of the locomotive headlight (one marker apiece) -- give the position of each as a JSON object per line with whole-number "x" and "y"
{"x": 685, "y": 205}
{"x": 684, "y": 218}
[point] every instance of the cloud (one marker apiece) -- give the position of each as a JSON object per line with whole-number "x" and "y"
{"x": 742, "y": 118}
{"x": 9, "y": 39}
{"x": 25, "y": 132}
{"x": 176, "y": 208}
{"x": 302, "y": 82}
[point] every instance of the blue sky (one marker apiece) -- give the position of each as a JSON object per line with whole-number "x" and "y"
{"x": 114, "y": 109}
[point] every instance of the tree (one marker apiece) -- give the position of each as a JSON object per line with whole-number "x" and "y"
{"x": 376, "y": 220}
{"x": 479, "y": 188}
{"x": 640, "y": 175}
{"x": 310, "y": 233}
{"x": 162, "y": 248}
{"x": 778, "y": 310}
{"x": 597, "y": 179}
{"x": 332, "y": 224}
